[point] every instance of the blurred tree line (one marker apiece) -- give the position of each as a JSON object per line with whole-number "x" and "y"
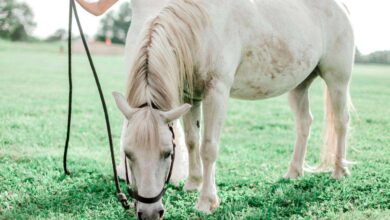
{"x": 16, "y": 20}
{"x": 378, "y": 57}
{"x": 59, "y": 35}
{"x": 114, "y": 25}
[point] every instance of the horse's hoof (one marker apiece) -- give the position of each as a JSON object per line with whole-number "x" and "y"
{"x": 192, "y": 185}
{"x": 293, "y": 174}
{"x": 340, "y": 172}
{"x": 207, "y": 206}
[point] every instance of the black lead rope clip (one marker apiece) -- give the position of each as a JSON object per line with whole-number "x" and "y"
{"x": 123, "y": 200}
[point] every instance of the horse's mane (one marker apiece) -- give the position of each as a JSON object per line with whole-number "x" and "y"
{"x": 164, "y": 63}
{"x": 163, "y": 66}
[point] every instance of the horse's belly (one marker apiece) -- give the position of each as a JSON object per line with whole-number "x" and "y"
{"x": 256, "y": 85}
{"x": 265, "y": 74}
{"x": 277, "y": 53}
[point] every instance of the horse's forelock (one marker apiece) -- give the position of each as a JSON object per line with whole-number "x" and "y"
{"x": 146, "y": 129}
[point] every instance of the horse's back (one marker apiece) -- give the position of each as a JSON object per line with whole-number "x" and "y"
{"x": 280, "y": 42}
{"x": 338, "y": 37}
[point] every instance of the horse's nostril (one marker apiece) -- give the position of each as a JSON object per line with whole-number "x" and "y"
{"x": 139, "y": 215}
{"x": 161, "y": 213}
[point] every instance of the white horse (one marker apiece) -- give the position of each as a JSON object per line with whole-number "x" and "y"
{"x": 142, "y": 11}
{"x": 203, "y": 52}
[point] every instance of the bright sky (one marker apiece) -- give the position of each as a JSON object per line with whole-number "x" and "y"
{"x": 50, "y": 15}
{"x": 370, "y": 17}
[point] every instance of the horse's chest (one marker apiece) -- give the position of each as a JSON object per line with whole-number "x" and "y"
{"x": 270, "y": 68}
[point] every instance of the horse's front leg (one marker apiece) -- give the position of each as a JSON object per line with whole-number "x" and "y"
{"x": 191, "y": 129}
{"x": 180, "y": 171}
{"x": 299, "y": 102}
{"x": 214, "y": 112}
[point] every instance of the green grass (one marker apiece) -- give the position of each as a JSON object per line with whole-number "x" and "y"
{"x": 256, "y": 147}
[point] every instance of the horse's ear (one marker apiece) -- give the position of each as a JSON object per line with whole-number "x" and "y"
{"x": 122, "y": 105}
{"x": 175, "y": 113}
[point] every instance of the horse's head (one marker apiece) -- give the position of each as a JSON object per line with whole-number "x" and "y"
{"x": 148, "y": 143}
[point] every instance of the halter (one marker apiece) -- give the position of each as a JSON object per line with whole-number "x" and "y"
{"x": 133, "y": 193}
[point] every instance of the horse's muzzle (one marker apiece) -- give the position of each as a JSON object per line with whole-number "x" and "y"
{"x": 154, "y": 215}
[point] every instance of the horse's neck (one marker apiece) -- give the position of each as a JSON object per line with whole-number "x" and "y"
{"x": 168, "y": 87}
{"x": 154, "y": 80}
{"x": 165, "y": 63}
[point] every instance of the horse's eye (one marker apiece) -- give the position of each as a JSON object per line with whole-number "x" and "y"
{"x": 166, "y": 155}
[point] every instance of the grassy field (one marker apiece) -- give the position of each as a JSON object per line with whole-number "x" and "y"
{"x": 256, "y": 147}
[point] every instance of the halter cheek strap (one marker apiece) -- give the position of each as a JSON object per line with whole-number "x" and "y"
{"x": 146, "y": 200}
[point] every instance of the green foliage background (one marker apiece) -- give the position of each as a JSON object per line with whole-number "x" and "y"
{"x": 16, "y": 20}
{"x": 377, "y": 57}
{"x": 115, "y": 24}
{"x": 256, "y": 147}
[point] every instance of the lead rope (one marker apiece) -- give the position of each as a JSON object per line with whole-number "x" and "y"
{"x": 72, "y": 8}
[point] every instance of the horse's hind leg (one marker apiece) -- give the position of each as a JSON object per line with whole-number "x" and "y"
{"x": 336, "y": 69}
{"x": 337, "y": 121}
{"x": 299, "y": 102}
{"x": 192, "y": 129}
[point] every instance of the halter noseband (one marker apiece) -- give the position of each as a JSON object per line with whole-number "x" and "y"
{"x": 134, "y": 194}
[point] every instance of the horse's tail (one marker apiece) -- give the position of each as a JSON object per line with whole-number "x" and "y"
{"x": 329, "y": 146}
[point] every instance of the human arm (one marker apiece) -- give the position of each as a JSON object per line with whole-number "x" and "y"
{"x": 97, "y": 8}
